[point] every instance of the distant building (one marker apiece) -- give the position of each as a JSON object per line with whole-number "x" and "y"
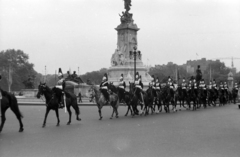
{"x": 191, "y": 66}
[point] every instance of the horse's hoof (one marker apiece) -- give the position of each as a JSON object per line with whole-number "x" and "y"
{"x": 125, "y": 115}
{"x": 21, "y": 130}
{"x": 57, "y": 124}
{"x": 110, "y": 117}
{"x": 100, "y": 118}
{"x": 116, "y": 116}
{"x": 79, "y": 119}
{"x": 43, "y": 125}
{"x": 68, "y": 123}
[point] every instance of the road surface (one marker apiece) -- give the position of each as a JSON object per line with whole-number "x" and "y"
{"x": 211, "y": 132}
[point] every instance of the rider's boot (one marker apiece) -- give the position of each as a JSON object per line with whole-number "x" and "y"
{"x": 60, "y": 104}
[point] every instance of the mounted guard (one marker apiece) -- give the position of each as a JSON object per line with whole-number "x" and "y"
{"x": 195, "y": 86}
{"x": 214, "y": 85}
{"x": 122, "y": 86}
{"x": 138, "y": 88}
{"x": 157, "y": 86}
{"x": 61, "y": 85}
{"x": 236, "y": 87}
{"x": 184, "y": 86}
{"x": 104, "y": 88}
{"x": 226, "y": 88}
{"x": 171, "y": 86}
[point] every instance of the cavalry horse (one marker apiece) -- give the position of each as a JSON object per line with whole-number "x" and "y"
{"x": 10, "y": 101}
{"x": 148, "y": 100}
{"x": 211, "y": 97}
{"x": 126, "y": 98}
{"x": 135, "y": 100}
{"x": 222, "y": 97}
{"x": 158, "y": 101}
{"x": 191, "y": 97}
{"x": 100, "y": 100}
{"x": 52, "y": 102}
{"x": 234, "y": 95}
{"x": 167, "y": 98}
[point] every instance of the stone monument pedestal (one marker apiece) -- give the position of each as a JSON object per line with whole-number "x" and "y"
{"x": 122, "y": 62}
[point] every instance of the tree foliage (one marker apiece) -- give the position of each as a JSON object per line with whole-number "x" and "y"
{"x": 21, "y": 69}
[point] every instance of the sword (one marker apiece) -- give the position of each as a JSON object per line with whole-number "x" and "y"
{"x": 64, "y": 101}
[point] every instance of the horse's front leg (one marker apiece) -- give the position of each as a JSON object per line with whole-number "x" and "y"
{"x": 129, "y": 108}
{"x": 57, "y": 115}
{"x": 45, "y": 118}
{"x": 100, "y": 112}
{"x": 116, "y": 111}
{"x": 112, "y": 112}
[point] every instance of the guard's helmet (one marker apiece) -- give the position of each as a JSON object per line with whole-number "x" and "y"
{"x": 60, "y": 74}
{"x": 121, "y": 78}
{"x": 104, "y": 78}
{"x": 137, "y": 75}
{"x": 169, "y": 78}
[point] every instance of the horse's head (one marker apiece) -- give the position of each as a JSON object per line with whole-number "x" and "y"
{"x": 42, "y": 87}
{"x": 131, "y": 87}
{"x": 112, "y": 87}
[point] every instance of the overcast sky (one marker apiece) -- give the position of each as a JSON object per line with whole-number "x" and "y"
{"x": 80, "y": 33}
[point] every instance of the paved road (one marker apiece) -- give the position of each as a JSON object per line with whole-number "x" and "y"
{"x": 212, "y": 132}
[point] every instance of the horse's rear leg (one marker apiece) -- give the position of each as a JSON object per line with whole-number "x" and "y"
{"x": 70, "y": 115}
{"x": 113, "y": 111}
{"x": 100, "y": 112}
{"x": 18, "y": 115}
{"x": 45, "y": 118}
{"x": 116, "y": 111}
{"x": 77, "y": 111}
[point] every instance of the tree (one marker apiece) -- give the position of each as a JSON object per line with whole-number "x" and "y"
{"x": 21, "y": 69}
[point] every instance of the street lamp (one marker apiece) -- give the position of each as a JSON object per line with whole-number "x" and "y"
{"x": 9, "y": 75}
{"x": 135, "y": 53}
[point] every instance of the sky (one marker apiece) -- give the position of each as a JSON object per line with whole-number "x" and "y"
{"x": 80, "y": 35}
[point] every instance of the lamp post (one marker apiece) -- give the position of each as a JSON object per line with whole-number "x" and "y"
{"x": 9, "y": 75}
{"x": 134, "y": 53}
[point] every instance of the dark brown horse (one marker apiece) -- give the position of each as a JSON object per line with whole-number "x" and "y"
{"x": 52, "y": 102}
{"x": 126, "y": 97}
{"x": 9, "y": 101}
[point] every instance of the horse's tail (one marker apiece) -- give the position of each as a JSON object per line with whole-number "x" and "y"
{"x": 75, "y": 105}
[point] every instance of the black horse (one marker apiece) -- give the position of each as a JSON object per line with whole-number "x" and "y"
{"x": 10, "y": 101}
{"x": 134, "y": 101}
{"x": 52, "y": 102}
{"x": 234, "y": 95}
{"x": 191, "y": 97}
{"x": 222, "y": 97}
{"x": 148, "y": 100}
{"x": 180, "y": 96}
{"x": 126, "y": 97}
{"x": 167, "y": 98}
{"x": 158, "y": 101}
